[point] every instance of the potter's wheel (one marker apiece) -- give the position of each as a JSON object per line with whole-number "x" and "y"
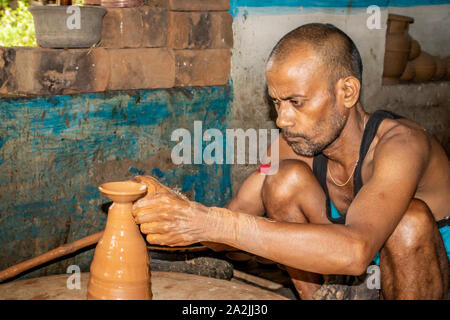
{"x": 165, "y": 286}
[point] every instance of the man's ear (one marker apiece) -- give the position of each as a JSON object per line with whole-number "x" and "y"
{"x": 350, "y": 88}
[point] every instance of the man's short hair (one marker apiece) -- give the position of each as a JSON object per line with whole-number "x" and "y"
{"x": 337, "y": 51}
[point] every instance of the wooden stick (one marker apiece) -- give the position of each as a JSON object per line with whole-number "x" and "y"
{"x": 50, "y": 255}
{"x": 257, "y": 280}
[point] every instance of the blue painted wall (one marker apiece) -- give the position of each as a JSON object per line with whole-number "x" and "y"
{"x": 333, "y": 3}
{"x": 280, "y": 7}
{"x": 55, "y": 151}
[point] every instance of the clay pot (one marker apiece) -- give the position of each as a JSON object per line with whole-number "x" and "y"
{"x": 120, "y": 269}
{"x": 441, "y": 68}
{"x": 425, "y": 67}
{"x": 398, "y": 24}
{"x": 396, "y": 55}
{"x": 398, "y": 45}
{"x": 414, "y": 52}
{"x": 409, "y": 72}
{"x": 390, "y": 80}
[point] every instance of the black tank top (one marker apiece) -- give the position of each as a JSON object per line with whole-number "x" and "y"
{"x": 320, "y": 162}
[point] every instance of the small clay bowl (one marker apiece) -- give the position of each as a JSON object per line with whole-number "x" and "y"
{"x": 239, "y": 257}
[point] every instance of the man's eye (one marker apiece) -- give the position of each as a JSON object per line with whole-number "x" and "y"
{"x": 296, "y": 103}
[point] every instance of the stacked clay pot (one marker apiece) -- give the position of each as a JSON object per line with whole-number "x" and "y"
{"x": 398, "y": 47}
{"x": 409, "y": 72}
{"x": 424, "y": 67}
{"x": 415, "y": 50}
{"x": 441, "y": 68}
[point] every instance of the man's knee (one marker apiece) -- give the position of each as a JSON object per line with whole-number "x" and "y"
{"x": 291, "y": 177}
{"x": 416, "y": 226}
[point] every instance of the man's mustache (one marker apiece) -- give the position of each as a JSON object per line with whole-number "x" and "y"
{"x": 289, "y": 134}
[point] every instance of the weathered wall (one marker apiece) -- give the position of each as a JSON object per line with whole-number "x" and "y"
{"x": 55, "y": 151}
{"x": 56, "y": 148}
{"x": 258, "y": 25}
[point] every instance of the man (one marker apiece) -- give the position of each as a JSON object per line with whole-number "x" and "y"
{"x": 351, "y": 187}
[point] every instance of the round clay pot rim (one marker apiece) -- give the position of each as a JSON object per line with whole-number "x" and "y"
{"x": 398, "y": 17}
{"x": 139, "y": 190}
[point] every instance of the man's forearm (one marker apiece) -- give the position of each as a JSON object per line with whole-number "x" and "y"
{"x": 325, "y": 249}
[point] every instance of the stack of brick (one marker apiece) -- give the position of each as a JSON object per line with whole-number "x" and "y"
{"x": 165, "y": 44}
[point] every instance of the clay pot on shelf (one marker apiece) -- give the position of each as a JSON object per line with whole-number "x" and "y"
{"x": 441, "y": 68}
{"x": 425, "y": 67}
{"x": 120, "y": 269}
{"x": 390, "y": 80}
{"x": 398, "y": 45}
{"x": 409, "y": 72}
{"x": 52, "y": 31}
{"x": 122, "y": 3}
{"x": 396, "y": 56}
{"x": 414, "y": 52}
{"x": 398, "y": 23}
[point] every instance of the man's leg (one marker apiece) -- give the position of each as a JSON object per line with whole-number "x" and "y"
{"x": 413, "y": 261}
{"x": 293, "y": 194}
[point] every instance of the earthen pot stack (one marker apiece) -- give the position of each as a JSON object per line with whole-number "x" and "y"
{"x": 409, "y": 72}
{"x": 441, "y": 68}
{"x": 398, "y": 47}
{"x": 424, "y": 66}
{"x": 415, "y": 50}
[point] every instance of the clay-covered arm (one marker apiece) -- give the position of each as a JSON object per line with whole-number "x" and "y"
{"x": 326, "y": 249}
{"x": 247, "y": 200}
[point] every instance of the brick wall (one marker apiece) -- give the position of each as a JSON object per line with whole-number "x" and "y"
{"x": 164, "y": 44}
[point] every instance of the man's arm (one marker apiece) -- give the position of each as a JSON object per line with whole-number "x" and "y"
{"x": 247, "y": 200}
{"x": 398, "y": 164}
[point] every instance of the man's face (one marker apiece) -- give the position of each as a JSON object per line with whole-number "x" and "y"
{"x": 308, "y": 112}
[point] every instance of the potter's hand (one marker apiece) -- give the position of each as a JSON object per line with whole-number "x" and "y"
{"x": 169, "y": 218}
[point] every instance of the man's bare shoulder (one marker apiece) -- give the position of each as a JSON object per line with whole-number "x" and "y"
{"x": 400, "y": 135}
{"x": 404, "y": 143}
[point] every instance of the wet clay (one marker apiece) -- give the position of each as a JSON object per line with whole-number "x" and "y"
{"x": 120, "y": 269}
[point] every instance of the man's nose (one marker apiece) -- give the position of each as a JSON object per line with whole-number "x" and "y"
{"x": 285, "y": 117}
